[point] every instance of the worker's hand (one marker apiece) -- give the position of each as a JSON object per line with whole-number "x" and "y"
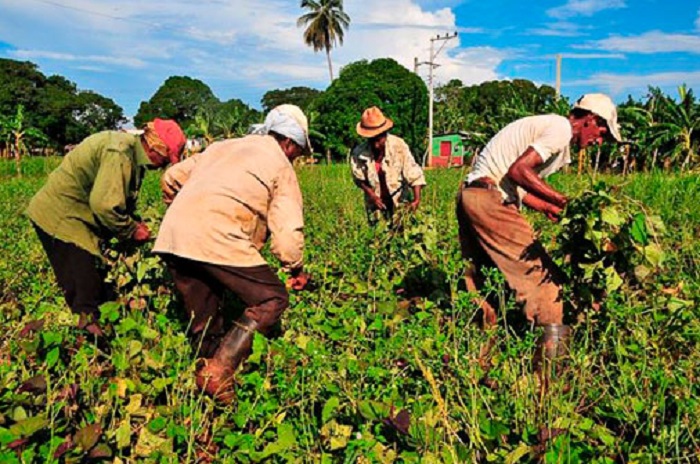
{"x": 142, "y": 233}
{"x": 377, "y": 202}
{"x": 553, "y": 212}
{"x": 413, "y": 206}
{"x": 169, "y": 187}
{"x": 299, "y": 281}
{"x": 561, "y": 202}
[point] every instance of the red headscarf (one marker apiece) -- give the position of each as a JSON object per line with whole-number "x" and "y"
{"x": 169, "y": 141}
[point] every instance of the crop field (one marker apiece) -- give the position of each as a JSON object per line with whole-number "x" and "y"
{"x": 381, "y": 359}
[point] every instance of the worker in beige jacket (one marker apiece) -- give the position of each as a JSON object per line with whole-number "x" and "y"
{"x": 224, "y": 202}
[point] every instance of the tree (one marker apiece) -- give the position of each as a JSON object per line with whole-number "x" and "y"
{"x": 325, "y": 26}
{"x": 54, "y": 105}
{"x": 400, "y": 94}
{"x": 480, "y": 111}
{"x": 303, "y": 97}
{"x": 94, "y": 113}
{"x": 179, "y": 98}
{"x": 21, "y": 82}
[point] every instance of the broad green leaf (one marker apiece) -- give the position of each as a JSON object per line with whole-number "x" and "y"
{"x": 123, "y": 434}
{"x": 638, "y": 231}
{"x": 286, "y": 436}
{"x": 135, "y": 348}
{"x": 674, "y": 304}
{"x": 19, "y": 414}
{"x": 149, "y": 443}
{"x": 373, "y": 410}
{"x": 29, "y": 426}
{"x": 329, "y": 408}
{"x": 52, "y": 357}
{"x": 654, "y": 254}
{"x": 613, "y": 281}
{"x": 642, "y": 272}
{"x": 612, "y": 216}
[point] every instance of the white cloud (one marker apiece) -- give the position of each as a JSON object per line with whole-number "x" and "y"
{"x": 593, "y": 56}
{"x": 558, "y": 29}
{"x": 618, "y": 84}
{"x": 128, "y": 61}
{"x": 237, "y": 42}
{"x": 649, "y": 42}
{"x": 574, "y": 8}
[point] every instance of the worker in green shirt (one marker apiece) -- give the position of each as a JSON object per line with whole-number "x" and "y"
{"x": 91, "y": 197}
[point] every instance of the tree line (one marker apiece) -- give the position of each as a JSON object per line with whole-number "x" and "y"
{"x": 662, "y": 131}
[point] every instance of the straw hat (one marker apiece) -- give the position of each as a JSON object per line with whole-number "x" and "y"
{"x": 373, "y": 123}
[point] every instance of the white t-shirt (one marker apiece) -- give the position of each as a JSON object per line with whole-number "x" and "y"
{"x": 548, "y": 134}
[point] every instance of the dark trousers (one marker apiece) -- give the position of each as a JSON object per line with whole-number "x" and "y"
{"x": 77, "y": 274}
{"x": 202, "y": 286}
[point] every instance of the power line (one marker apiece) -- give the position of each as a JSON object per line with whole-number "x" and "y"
{"x": 97, "y": 13}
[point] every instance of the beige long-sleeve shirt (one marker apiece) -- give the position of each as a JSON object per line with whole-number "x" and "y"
{"x": 398, "y": 164}
{"x": 229, "y": 198}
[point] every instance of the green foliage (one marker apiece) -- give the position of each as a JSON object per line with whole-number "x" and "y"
{"x": 398, "y": 92}
{"x": 54, "y": 105}
{"x": 607, "y": 240}
{"x": 300, "y": 96}
{"x": 179, "y": 98}
{"x": 379, "y": 361}
{"x": 482, "y": 110}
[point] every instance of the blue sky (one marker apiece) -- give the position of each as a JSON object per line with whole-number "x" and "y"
{"x": 125, "y": 49}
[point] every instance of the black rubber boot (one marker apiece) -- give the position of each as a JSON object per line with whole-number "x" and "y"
{"x": 216, "y": 377}
{"x": 552, "y": 348}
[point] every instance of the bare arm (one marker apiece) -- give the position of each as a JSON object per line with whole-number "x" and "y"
{"x": 522, "y": 172}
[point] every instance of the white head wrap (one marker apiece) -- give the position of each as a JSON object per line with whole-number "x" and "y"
{"x": 288, "y": 121}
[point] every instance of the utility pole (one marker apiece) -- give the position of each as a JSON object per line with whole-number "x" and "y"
{"x": 557, "y": 86}
{"x": 432, "y": 65}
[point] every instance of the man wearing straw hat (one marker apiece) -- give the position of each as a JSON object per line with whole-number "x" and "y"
{"x": 224, "y": 203}
{"x": 91, "y": 197}
{"x": 384, "y": 168}
{"x": 509, "y": 172}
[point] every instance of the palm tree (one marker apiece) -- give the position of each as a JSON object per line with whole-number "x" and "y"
{"x": 15, "y": 132}
{"x": 679, "y": 127}
{"x": 325, "y": 25}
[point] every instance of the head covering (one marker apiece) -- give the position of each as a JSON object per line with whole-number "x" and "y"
{"x": 288, "y": 121}
{"x": 165, "y": 138}
{"x": 373, "y": 123}
{"x": 601, "y": 105}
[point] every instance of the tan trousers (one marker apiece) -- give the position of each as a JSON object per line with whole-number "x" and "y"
{"x": 492, "y": 233}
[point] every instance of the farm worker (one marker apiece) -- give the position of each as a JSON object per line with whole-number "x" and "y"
{"x": 91, "y": 197}
{"x": 509, "y": 172}
{"x": 383, "y": 167}
{"x": 224, "y": 203}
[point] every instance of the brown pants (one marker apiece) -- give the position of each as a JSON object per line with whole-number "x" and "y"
{"x": 78, "y": 274}
{"x": 492, "y": 233}
{"x": 202, "y": 286}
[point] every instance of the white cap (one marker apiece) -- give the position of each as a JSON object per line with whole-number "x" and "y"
{"x": 298, "y": 115}
{"x": 601, "y": 105}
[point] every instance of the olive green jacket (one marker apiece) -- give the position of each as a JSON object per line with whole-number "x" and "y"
{"x": 92, "y": 194}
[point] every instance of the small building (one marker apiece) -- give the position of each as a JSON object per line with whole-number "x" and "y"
{"x": 448, "y": 150}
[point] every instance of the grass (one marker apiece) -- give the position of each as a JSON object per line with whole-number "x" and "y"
{"x": 379, "y": 362}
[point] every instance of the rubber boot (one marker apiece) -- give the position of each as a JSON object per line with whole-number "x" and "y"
{"x": 216, "y": 376}
{"x": 552, "y": 347}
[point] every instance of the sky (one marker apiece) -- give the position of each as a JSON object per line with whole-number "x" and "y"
{"x": 125, "y": 49}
